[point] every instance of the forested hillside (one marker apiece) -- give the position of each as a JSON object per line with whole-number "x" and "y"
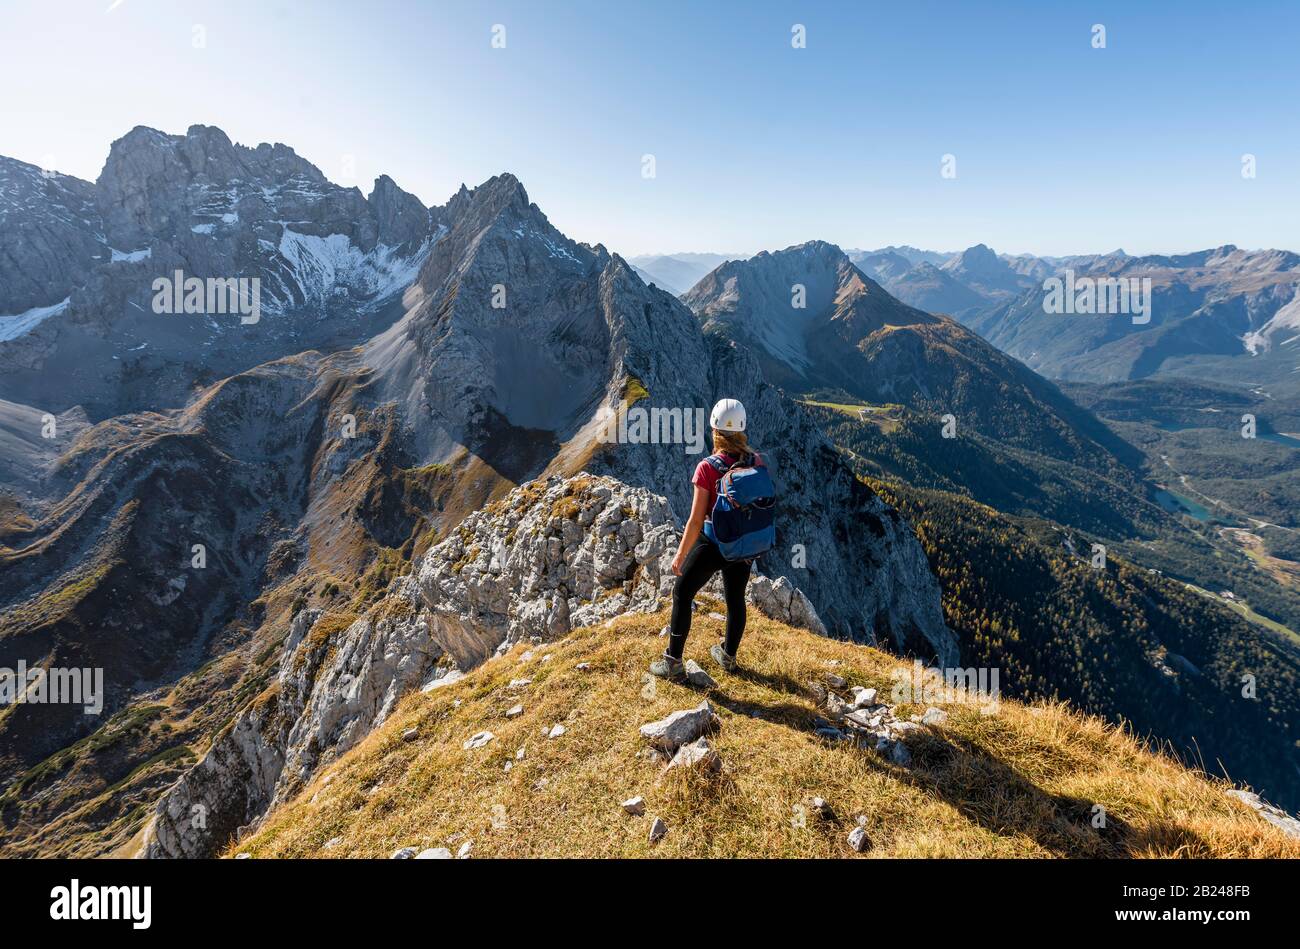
{"x": 1118, "y": 642}
{"x": 1114, "y": 507}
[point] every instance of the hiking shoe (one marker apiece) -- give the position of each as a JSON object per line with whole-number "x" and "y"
{"x": 666, "y": 667}
{"x": 723, "y": 658}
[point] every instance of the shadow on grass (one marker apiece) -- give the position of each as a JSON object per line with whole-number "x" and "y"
{"x": 983, "y": 788}
{"x": 790, "y": 714}
{"x": 991, "y": 793}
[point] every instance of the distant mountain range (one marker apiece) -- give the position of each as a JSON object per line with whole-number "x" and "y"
{"x": 846, "y": 332}
{"x": 1224, "y": 313}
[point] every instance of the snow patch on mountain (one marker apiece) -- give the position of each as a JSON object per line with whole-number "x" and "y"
{"x": 11, "y": 327}
{"x": 320, "y": 268}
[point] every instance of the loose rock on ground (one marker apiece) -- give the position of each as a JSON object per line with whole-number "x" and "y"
{"x": 670, "y": 733}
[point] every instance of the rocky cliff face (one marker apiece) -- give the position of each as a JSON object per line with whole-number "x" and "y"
{"x": 980, "y": 268}
{"x": 334, "y": 685}
{"x": 228, "y": 210}
{"x": 51, "y": 236}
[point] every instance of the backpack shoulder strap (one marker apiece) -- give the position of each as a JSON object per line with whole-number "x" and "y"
{"x": 717, "y": 464}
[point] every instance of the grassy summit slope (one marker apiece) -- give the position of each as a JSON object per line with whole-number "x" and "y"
{"x": 1022, "y": 782}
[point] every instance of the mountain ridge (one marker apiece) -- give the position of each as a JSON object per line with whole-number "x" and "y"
{"x": 1214, "y": 308}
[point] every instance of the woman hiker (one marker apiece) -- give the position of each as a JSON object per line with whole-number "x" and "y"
{"x": 699, "y": 558}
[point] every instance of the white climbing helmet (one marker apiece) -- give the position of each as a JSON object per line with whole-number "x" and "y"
{"x": 728, "y": 416}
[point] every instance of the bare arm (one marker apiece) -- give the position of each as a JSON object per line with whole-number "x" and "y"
{"x": 694, "y": 524}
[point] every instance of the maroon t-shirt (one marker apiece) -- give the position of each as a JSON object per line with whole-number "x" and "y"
{"x": 707, "y": 476}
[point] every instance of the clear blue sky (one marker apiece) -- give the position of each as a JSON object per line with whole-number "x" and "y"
{"x": 1061, "y": 148}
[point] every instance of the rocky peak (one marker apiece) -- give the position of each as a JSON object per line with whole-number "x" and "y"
{"x": 157, "y": 186}
{"x": 855, "y": 336}
{"x": 507, "y": 339}
{"x": 401, "y": 218}
{"x": 824, "y": 251}
{"x": 776, "y": 303}
{"x": 209, "y": 151}
{"x": 772, "y": 267}
{"x": 978, "y": 256}
{"x": 504, "y": 191}
{"x": 882, "y": 265}
{"x": 981, "y": 268}
{"x": 979, "y": 260}
{"x": 495, "y": 231}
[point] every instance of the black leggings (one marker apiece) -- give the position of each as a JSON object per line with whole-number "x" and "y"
{"x": 703, "y": 561}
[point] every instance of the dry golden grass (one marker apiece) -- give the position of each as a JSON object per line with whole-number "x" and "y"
{"x": 1020, "y": 783}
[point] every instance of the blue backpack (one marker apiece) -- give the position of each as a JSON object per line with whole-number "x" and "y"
{"x": 743, "y": 522}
